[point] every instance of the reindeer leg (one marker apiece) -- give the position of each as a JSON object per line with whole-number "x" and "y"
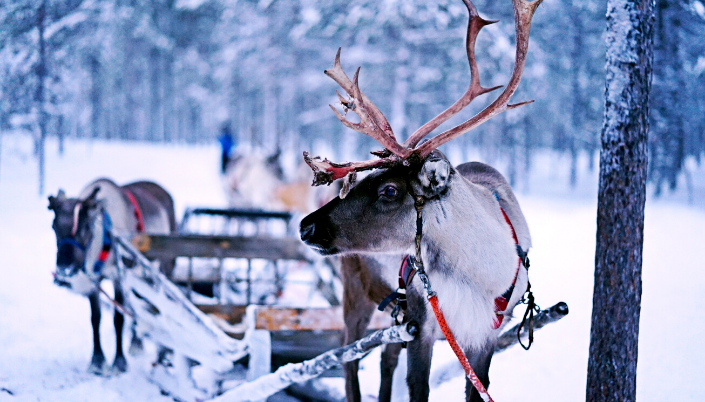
{"x": 480, "y": 363}
{"x": 136, "y": 346}
{"x": 98, "y": 360}
{"x": 120, "y": 363}
{"x": 357, "y": 312}
{"x": 420, "y": 350}
{"x": 390, "y": 358}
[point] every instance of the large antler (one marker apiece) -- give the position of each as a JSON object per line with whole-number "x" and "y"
{"x": 374, "y": 124}
{"x": 523, "y": 13}
{"x": 372, "y": 121}
{"x": 475, "y": 24}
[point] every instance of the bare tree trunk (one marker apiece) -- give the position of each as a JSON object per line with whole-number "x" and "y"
{"x": 95, "y": 94}
{"x": 60, "y": 130}
{"x": 168, "y": 101}
{"x": 154, "y": 96}
{"x": 39, "y": 95}
{"x": 269, "y": 115}
{"x": 577, "y": 109}
{"x": 616, "y": 309}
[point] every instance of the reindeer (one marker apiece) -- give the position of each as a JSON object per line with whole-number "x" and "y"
{"x": 255, "y": 181}
{"x": 85, "y": 247}
{"x": 463, "y": 223}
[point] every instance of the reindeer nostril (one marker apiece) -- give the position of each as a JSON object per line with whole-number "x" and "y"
{"x": 307, "y": 231}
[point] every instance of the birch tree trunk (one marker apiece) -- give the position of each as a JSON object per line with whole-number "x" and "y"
{"x": 614, "y": 333}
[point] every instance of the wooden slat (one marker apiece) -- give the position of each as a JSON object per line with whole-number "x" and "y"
{"x": 172, "y": 246}
{"x": 310, "y": 319}
{"x": 297, "y": 346}
{"x": 242, "y": 213}
{"x": 231, "y": 314}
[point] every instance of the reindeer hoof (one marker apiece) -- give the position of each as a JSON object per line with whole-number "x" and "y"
{"x": 98, "y": 366}
{"x": 136, "y": 347}
{"x": 119, "y": 365}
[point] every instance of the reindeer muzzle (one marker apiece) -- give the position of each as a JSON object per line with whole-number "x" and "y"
{"x": 318, "y": 233}
{"x": 74, "y": 279}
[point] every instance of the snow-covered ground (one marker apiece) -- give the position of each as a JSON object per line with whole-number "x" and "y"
{"x": 45, "y": 336}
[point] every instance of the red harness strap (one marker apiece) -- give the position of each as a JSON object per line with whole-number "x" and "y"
{"x": 138, "y": 211}
{"x": 501, "y": 302}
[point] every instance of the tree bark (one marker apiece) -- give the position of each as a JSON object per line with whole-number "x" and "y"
{"x": 620, "y": 213}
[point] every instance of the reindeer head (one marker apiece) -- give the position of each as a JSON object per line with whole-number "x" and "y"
{"x": 73, "y": 226}
{"x": 378, "y": 213}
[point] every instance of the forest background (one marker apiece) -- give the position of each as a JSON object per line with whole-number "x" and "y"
{"x": 178, "y": 70}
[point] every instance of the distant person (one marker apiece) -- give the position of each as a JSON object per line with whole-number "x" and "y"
{"x": 227, "y": 143}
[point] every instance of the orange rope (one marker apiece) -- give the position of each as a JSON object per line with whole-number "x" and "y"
{"x": 469, "y": 372}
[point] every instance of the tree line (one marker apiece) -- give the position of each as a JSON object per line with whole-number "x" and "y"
{"x": 178, "y": 70}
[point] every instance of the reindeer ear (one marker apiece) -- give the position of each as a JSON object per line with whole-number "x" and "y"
{"x": 347, "y": 185}
{"x": 434, "y": 176}
{"x": 52, "y": 203}
{"x": 55, "y": 201}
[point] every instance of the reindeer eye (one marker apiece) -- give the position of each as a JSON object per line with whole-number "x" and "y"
{"x": 389, "y": 191}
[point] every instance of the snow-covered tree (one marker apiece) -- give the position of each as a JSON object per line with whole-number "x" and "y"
{"x": 616, "y": 303}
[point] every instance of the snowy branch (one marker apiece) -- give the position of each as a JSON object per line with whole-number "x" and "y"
{"x": 264, "y": 386}
{"x": 545, "y": 317}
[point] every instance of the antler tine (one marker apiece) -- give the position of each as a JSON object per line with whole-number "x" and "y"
{"x": 326, "y": 172}
{"x": 475, "y": 24}
{"x": 523, "y": 13}
{"x": 372, "y": 121}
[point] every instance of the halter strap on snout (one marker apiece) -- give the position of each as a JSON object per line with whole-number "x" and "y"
{"x": 70, "y": 241}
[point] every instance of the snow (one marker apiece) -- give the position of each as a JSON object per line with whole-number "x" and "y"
{"x": 46, "y": 336}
